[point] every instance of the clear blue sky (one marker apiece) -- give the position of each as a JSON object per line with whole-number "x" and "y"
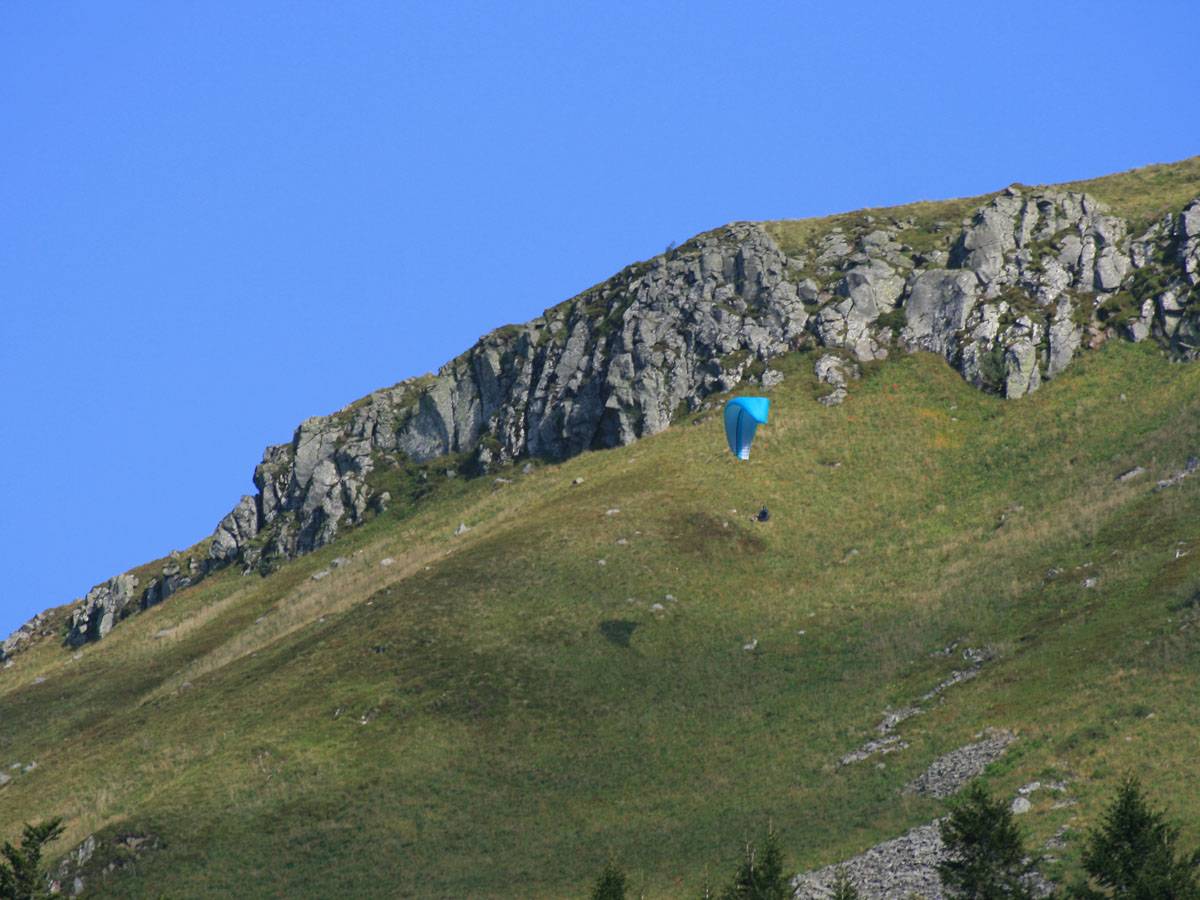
{"x": 221, "y": 218}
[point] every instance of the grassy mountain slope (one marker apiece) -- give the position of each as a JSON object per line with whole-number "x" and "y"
{"x": 496, "y": 713}
{"x": 1140, "y": 196}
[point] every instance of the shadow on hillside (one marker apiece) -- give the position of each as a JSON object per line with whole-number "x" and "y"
{"x": 619, "y": 631}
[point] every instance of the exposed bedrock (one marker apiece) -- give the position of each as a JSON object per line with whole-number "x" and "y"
{"x": 1030, "y": 279}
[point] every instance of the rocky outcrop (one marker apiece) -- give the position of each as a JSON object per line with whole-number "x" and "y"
{"x": 36, "y": 628}
{"x": 615, "y": 364}
{"x": 104, "y": 606}
{"x": 836, "y": 372}
{"x": 108, "y": 603}
{"x": 1031, "y": 277}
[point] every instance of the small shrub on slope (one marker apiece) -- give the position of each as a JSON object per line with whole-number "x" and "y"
{"x": 610, "y": 885}
{"x": 843, "y": 887}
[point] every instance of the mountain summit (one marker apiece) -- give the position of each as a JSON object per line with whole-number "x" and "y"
{"x": 439, "y": 604}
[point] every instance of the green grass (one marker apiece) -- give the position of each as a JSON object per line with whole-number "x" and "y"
{"x": 525, "y": 721}
{"x": 1141, "y": 196}
{"x": 1144, "y": 195}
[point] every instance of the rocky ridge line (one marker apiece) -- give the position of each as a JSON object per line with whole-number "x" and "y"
{"x": 1033, "y": 276}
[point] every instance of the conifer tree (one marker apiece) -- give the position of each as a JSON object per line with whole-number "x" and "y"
{"x": 1133, "y": 853}
{"x": 21, "y": 875}
{"x": 986, "y": 857}
{"x": 761, "y": 875}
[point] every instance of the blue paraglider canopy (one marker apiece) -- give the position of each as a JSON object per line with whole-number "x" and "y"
{"x": 742, "y": 416}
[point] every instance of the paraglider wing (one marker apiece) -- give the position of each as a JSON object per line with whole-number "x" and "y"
{"x": 742, "y": 416}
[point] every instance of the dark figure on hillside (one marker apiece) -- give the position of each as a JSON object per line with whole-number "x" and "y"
{"x": 763, "y": 515}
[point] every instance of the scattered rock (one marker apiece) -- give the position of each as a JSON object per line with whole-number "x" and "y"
{"x": 317, "y": 576}
{"x": 892, "y": 718}
{"x": 387, "y": 561}
{"x": 656, "y": 607}
{"x": 577, "y": 482}
{"x": 5, "y": 778}
{"x": 1189, "y": 469}
{"x": 612, "y": 512}
{"x": 902, "y": 867}
{"x": 1020, "y": 806}
{"x": 462, "y": 528}
{"x": 958, "y": 676}
{"x": 1090, "y": 582}
{"x": 527, "y": 469}
{"x": 751, "y": 646}
{"x": 35, "y": 629}
{"x": 890, "y": 744}
{"x": 1058, "y": 840}
{"x": 1131, "y": 474}
{"x": 836, "y": 372}
{"x": 39, "y": 680}
{"x": 770, "y": 378}
{"x": 339, "y": 561}
{"x": 85, "y": 865}
{"x": 950, "y": 772}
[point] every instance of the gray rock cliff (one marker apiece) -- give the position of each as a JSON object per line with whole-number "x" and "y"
{"x": 1029, "y": 280}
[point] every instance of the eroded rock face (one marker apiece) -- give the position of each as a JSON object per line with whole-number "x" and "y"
{"x": 611, "y": 366}
{"x": 102, "y": 607}
{"x": 1007, "y": 307}
{"x": 1009, "y": 300}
